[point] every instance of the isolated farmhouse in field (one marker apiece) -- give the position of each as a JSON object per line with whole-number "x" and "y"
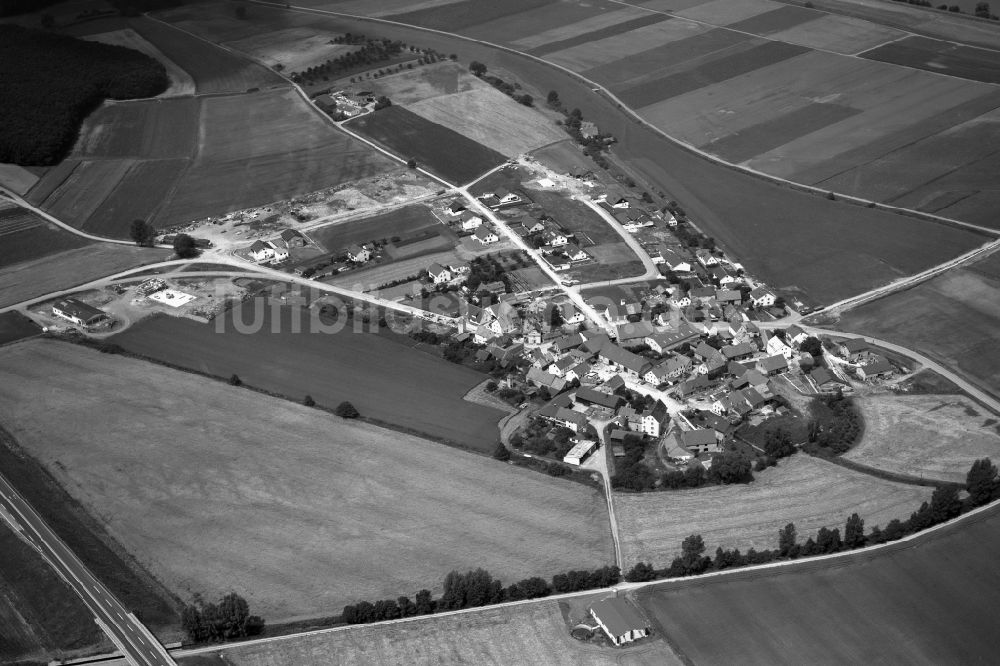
{"x": 619, "y": 620}
{"x": 79, "y": 313}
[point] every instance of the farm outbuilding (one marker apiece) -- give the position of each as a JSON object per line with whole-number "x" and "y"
{"x": 580, "y": 452}
{"x": 80, "y": 313}
{"x": 619, "y": 620}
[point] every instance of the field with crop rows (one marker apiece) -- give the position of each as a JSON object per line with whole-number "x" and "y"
{"x": 25, "y": 236}
{"x": 774, "y": 87}
{"x": 402, "y": 222}
{"x": 296, "y": 509}
{"x": 809, "y": 492}
{"x": 439, "y": 149}
{"x": 931, "y": 601}
{"x": 930, "y": 436}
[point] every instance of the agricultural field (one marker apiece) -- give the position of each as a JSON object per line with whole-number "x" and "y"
{"x": 444, "y": 151}
{"x": 40, "y": 617}
{"x": 807, "y": 491}
{"x": 17, "y": 179}
{"x": 214, "y": 70}
{"x": 773, "y": 87}
{"x": 403, "y": 222}
{"x": 300, "y": 512}
{"x": 927, "y": 317}
{"x": 456, "y": 16}
{"x": 294, "y": 49}
{"x": 15, "y": 326}
{"x": 181, "y": 82}
{"x": 384, "y": 370}
{"x": 525, "y": 635}
{"x": 69, "y": 268}
{"x": 930, "y": 436}
{"x": 26, "y": 236}
{"x": 931, "y": 601}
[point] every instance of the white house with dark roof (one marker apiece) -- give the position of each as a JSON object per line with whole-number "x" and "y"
{"x": 359, "y": 254}
{"x": 261, "y": 251}
{"x": 456, "y": 207}
{"x": 438, "y": 273}
{"x": 485, "y": 235}
{"x": 762, "y": 297}
{"x": 470, "y": 221}
{"x": 622, "y": 623}
{"x": 79, "y": 313}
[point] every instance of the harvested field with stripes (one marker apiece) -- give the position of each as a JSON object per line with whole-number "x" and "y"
{"x": 809, "y": 492}
{"x": 25, "y": 236}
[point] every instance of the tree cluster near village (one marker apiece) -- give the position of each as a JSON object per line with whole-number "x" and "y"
{"x": 982, "y": 485}
{"x": 45, "y": 103}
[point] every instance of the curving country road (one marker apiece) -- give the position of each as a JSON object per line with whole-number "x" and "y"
{"x": 128, "y": 634}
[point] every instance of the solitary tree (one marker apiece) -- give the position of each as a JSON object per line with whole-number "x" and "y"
{"x": 235, "y": 380}
{"x": 552, "y": 99}
{"x": 501, "y": 452}
{"x": 142, "y": 232}
{"x": 308, "y": 401}
{"x": 411, "y": 163}
{"x": 185, "y": 247}
{"x": 346, "y": 410}
{"x": 477, "y": 68}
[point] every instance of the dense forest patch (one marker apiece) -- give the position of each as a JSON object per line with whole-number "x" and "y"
{"x": 52, "y": 82}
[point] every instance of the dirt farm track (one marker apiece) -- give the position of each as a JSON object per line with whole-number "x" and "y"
{"x": 217, "y": 488}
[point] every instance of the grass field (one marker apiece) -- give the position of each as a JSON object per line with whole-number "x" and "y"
{"x": 297, "y": 510}
{"x": 963, "y": 300}
{"x": 79, "y": 529}
{"x": 402, "y": 222}
{"x": 803, "y": 490}
{"x": 26, "y": 236}
{"x": 930, "y": 436}
{"x": 68, "y": 268}
{"x": 40, "y": 617}
{"x": 181, "y": 82}
{"x": 939, "y": 56}
{"x": 388, "y": 379}
{"x": 17, "y": 179}
{"x": 213, "y": 69}
{"x": 15, "y": 326}
{"x": 434, "y": 147}
{"x": 931, "y": 602}
{"x": 526, "y": 635}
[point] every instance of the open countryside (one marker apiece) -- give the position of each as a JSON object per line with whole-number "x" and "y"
{"x": 300, "y": 500}
{"x": 315, "y": 320}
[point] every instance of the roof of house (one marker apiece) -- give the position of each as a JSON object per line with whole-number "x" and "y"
{"x": 456, "y": 206}
{"x": 702, "y": 292}
{"x": 672, "y": 338}
{"x": 594, "y": 397}
{"x": 633, "y": 330}
{"x": 698, "y": 437}
{"x": 742, "y": 349}
{"x": 754, "y": 377}
{"x": 542, "y": 378}
{"x": 624, "y": 358}
{"x": 794, "y": 331}
{"x": 259, "y": 245}
{"x": 822, "y": 376}
{"x": 728, "y": 295}
{"x": 355, "y": 250}
{"x": 692, "y": 385}
{"x": 483, "y": 232}
{"x": 289, "y": 234}
{"x": 855, "y": 345}
{"x": 771, "y": 363}
{"x": 615, "y": 383}
{"x": 761, "y": 291}
{"x": 877, "y": 365}
{"x": 706, "y": 350}
{"x": 79, "y": 309}
{"x": 618, "y": 616}
{"x": 436, "y": 269}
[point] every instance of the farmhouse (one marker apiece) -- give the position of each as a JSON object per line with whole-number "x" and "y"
{"x": 762, "y": 297}
{"x": 79, "y": 313}
{"x": 674, "y": 262}
{"x": 619, "y": 621}
{"x": 359, "y": 254}
{"x": 589, "y": 396}
{"x": 877, "y": 367}
{"x": 662, "y": 342}
{"x": 540, "y": 378}
{"x": 438, "y": 273}
{"x": 580, "y": 451}
{"x": 825, "y": 381}
{"x": 261, "y": 251}
{"x": 563, "y": 416}
{"x": 853, "y": 349}
{"x": 455, "y": 208}
{"x": 776, "y": 346}
{"x": 772, "y": 365}
{"x": 649, "y": 422}
{"x": 292, "y": 238}
{"x": 701, "y": 441}
{"x": 486, "y": 236}
{"x": 635, "y": 366}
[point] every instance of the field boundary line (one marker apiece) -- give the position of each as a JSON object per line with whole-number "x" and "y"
{"x": 631, "y": 112}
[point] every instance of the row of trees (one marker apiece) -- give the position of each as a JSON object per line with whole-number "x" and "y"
{"x": 982, "y": 485}
{"x": 52, "y": 82}
{"x": 982, "y": 9}
{"x": 510, "y": 89}
{"x": 478, "y": 588}
{"x": 370, "y": 52}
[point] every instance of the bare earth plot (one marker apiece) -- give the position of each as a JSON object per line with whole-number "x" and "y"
{"x": 953, "y": 318}
{"x": 383, "y": 378}
{"x": 181, "y": 82}
{"x": 525, "y": 635}
{"x": 931, "y": 436}
{"x": 66, "y": 269}
{"x": 489, "y": 117}
{"x": 803, "y": 490}
{"x": 218, "y": 488}
{"x": 929, "y": 603}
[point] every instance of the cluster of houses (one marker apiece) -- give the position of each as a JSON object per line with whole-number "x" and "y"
{"x": 275, "y": 250}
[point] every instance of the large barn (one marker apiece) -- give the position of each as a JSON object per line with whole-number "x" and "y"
{"x": 79, "y": 312}
{"x": 619, "y": 620}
